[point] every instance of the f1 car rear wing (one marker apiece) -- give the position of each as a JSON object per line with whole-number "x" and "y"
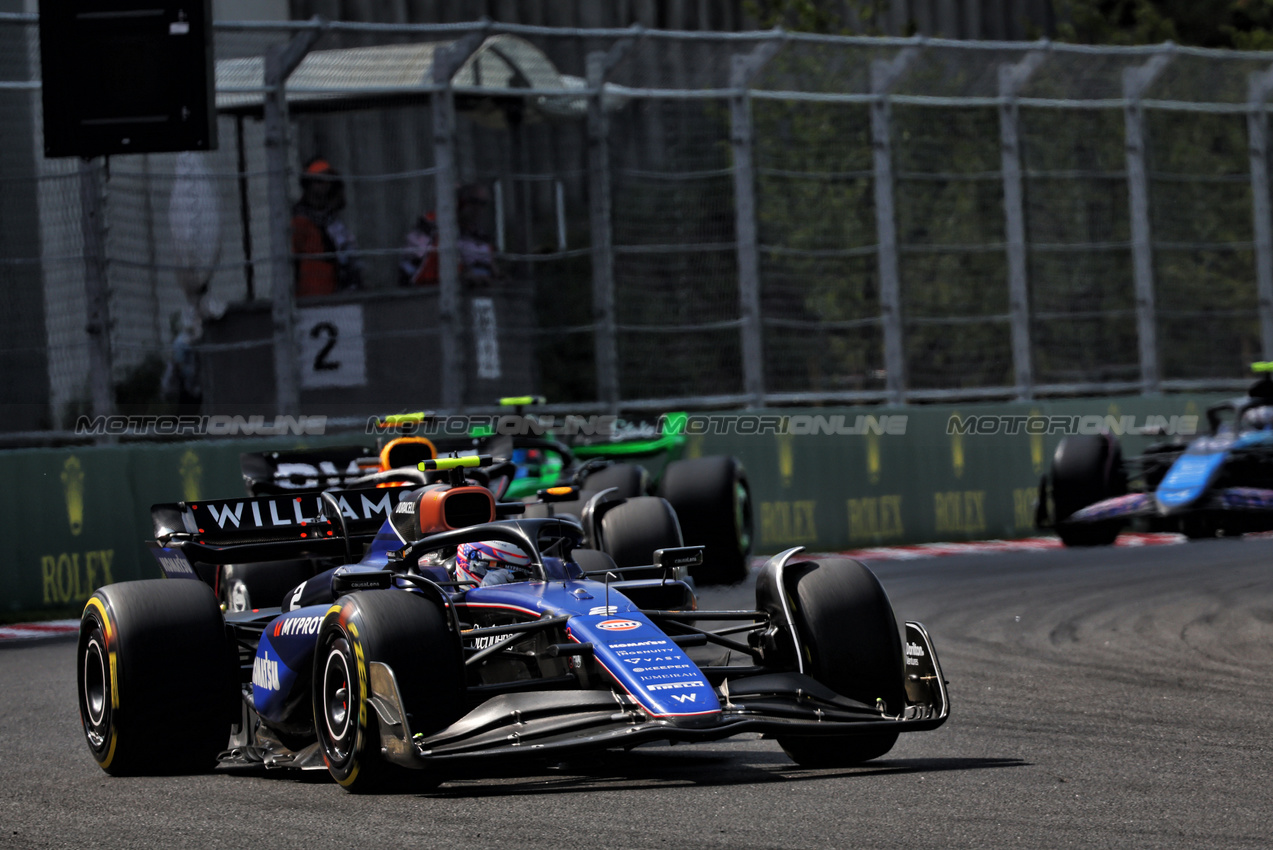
{"x": 267, "y": 527}
{"x": 267, "y": 473}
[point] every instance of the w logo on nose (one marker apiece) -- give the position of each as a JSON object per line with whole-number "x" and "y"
{"x": 684, "y": 698}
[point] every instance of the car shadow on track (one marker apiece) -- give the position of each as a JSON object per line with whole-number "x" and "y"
{"x": 634, "y": 771}
{"x": 645, "y": 769}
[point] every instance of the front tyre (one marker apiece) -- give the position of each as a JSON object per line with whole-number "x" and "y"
{"x": 409, "y": 634}
{"x": 155, "y": 674}
{"x": 850, "y": 642}
{"x": 1086, "y": 469}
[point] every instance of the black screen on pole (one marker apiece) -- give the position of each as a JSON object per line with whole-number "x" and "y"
{"x": 126, "y": 76}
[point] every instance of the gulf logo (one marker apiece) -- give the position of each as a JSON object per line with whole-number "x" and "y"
{"x": 619, "y": 625}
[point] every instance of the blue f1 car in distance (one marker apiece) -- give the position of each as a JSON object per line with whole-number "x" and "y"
{"x": 402, "y": 665}
{"x": 1220, "y": 483}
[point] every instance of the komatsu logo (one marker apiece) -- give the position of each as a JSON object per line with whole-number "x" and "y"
{"x": 297, "y": 626}
{"x": 636, "y": 643}
{"x": 265, "y": 673}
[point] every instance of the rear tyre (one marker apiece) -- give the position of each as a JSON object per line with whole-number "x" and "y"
{"x": 411, "y": 635}
{"x": 1096, "y": 534}
{"x": 852, "y": 645}
{"x": 155, "y": 672}
{"x": 1199, "y": 528}
{"x": 631, "y": 532}
{"x": 713, "y": 503}
{"x": 1085, "y": 470}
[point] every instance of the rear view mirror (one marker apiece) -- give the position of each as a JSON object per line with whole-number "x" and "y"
{"x": 345, "y": 581}
{"x": 676, "y": 563}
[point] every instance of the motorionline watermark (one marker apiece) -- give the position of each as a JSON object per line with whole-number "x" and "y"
{"x": 505, "y": 425}
{"x": 1066, "y": 425}
{"x": 619, "y": 429}
{"x": 796, "y": 424}
{"x": 219, "y": 425}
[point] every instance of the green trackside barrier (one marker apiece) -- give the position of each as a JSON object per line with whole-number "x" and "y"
{"x": 76, "y": 518}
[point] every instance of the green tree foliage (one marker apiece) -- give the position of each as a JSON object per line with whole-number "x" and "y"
{"x": 949, "y": 213}
{"x": 866, "y": 17}
{"x": 1241, "y": 24}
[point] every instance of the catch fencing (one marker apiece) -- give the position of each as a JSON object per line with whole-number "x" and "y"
{"x": 680, "y": 219}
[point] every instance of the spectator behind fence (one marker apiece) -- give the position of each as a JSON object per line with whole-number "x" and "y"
{"x": 319, "y": 229}
{"x": 477, "y": 254}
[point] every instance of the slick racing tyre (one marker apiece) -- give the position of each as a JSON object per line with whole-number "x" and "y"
{"x": 1085, "y": 470}
{"x": 262, "y": 585}
{"x": 713, "y": 503}
{"x": 628, "y": 479}
{"x": 156, "y": 675}
{"x": 852, "y": 645}
{"x": 631, "y": 532}
{"x": 412, "y": 636}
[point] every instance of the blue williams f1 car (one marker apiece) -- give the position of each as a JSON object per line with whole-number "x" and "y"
{"x": 422, "y": 656}
{"x": 1220, "y": 483}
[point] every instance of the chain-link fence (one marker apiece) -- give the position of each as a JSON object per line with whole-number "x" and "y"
{"x": 677, "y": 219}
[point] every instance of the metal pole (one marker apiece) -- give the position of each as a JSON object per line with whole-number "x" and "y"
{"x": 884, "y": 74}
{"x": 743, "y": 71}
{"x": 1135, "y": 82}
{"x": 1259, "y": 86}
{"x": 280, "y": 61}
{"x": 1011, "y": 80}
{"x": 597, "y": 65}
{"x": 96, "y": 288}
{"x": 245, "y": 212}
{"x": 446, "y": 62}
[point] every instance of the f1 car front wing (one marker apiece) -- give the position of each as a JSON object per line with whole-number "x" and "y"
{"x": 542, "y": 723}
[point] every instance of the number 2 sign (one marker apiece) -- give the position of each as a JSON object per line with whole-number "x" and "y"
{"x": 332, "y": 350}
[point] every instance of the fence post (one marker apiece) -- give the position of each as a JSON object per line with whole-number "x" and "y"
{"x": 1136, "y": 81}
{"x": 743, "y": 70}
{"x": 446, "y": 62}
{"x": 884, "y": 75}
{"x": 280, "y": 61}
{"x": 1260, "y": 84}
{"x": 96, "y": 288}
{"x": 598, "y": 65}
{"x": 1011, "y": 79}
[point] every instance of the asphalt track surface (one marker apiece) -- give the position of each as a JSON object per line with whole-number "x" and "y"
{"x": 1100, "y": 698}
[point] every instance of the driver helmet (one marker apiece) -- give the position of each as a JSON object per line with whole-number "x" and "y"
{"x": 491, "y": 562}
{"x": 1258, "y": 418}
